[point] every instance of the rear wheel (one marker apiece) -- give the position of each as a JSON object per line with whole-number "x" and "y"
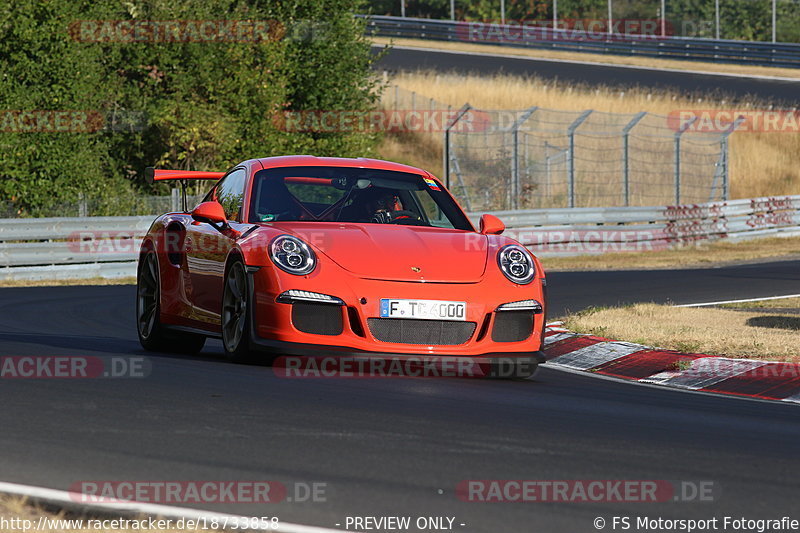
{"x": 152, "y": 334}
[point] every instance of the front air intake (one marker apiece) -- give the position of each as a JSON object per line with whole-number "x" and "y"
{"x": 512, "y": 326}
{"x": 317, "y": 318}
{"x": 426, "y": 332}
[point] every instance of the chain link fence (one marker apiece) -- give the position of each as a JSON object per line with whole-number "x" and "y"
{"x": 545, "y": 158}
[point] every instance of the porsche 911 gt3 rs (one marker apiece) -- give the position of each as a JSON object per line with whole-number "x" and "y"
{"x": 307, "y": 255}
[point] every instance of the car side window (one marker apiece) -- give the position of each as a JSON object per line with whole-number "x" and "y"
{"x": 229, "y": 192}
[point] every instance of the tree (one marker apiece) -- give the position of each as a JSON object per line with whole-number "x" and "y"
{"x": 176, "y": 96}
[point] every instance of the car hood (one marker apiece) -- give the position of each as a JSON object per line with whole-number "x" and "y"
{"x": 398, "y": 252}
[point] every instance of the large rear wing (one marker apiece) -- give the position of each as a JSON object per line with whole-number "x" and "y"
{"x": 157, "y": 174}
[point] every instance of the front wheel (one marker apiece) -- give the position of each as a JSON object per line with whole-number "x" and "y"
{"x": 235, "y": 314}
{"x": 152, "y": 334}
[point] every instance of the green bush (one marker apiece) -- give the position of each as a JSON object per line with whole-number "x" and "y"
{"x": 195, "y": 105}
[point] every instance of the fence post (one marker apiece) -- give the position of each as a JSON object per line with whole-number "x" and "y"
{"x": 626, "y": 185}
{"x": 515, "y": 180}
{"x": 685, "y": 126}
{"x": 724, "y": 147}
{"x": 457, "y": 170}
{"x": 571, "y": 163}
{"x": 82, "y": 205}
{"x": 175, "y": 199}
{"x": 446, "y": 144}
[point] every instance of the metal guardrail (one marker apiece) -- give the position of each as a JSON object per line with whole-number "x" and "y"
{"x": 70, "y": 248}
{"x": 725, "y": 51}
{"x": 591, "y": 230}
{"x": 79, "y": 248}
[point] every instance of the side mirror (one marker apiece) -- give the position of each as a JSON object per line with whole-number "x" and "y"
{"x": 210, "y": 212}
{"x": 491, "y": 225}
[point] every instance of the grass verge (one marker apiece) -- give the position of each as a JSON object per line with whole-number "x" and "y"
{"x": 751, "y": 334}
{"x": 649, "y": 62}
{"x": 698, "y": 255}
{"x": 67, "y": 282}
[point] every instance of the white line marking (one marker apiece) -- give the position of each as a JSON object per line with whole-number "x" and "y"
{"x": 65, "y": 500}
{"x": 741, "y": 301}
{"x": 592, "y": 63}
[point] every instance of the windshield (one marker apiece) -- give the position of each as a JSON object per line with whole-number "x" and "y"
{"x": 345, "y": 194}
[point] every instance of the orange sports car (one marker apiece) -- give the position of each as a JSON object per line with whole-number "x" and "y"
{"x": 302, "y": 255}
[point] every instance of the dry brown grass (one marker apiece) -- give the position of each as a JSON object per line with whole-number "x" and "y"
{"x": 18, "y": 509}
{"x": 762, "y": 164}
{"x": 712, "y": 331}
{"x": 649, "y": 62}
{"x": 67, "y": 282}
{"x": 702, "y": 255}
{"x": 413, "y": 149}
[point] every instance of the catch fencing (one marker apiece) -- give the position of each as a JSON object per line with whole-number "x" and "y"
{"x": 79, "y": 248}
{"x": 544, "y": 158}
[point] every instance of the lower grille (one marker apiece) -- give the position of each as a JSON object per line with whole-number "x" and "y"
{"x": 413, "y": 331}
{"x": 512, "y": 326}
{"x": 321, "y": 319}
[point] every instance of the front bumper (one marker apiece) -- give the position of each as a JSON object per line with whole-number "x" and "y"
{"x": 274, "y": 329}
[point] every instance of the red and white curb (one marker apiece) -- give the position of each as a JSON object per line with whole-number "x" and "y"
{"x": 698, "y": 372}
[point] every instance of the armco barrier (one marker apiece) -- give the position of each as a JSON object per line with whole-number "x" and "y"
{"x": 510, "y": 35}
{"x": 595, "y": 230}
{"x": 70, "y": 248}
{"x": 79, "y": 248}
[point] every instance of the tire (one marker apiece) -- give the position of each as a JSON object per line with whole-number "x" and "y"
{"x": 153, "y": 336}
{"x": 235, "y": 315}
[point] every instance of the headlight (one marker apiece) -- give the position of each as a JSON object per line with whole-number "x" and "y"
{"x": 516, "y": 263}
{"x": 292, "y": 255}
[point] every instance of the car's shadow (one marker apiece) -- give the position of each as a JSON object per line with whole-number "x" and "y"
{"x": 28, "y": 344}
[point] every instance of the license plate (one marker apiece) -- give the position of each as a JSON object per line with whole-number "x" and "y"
{"x": 423, "y": 309}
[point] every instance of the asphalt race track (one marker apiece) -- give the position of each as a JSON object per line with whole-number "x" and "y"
{"x": 705, "y": 85}
{"x": 389, "y": 446}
